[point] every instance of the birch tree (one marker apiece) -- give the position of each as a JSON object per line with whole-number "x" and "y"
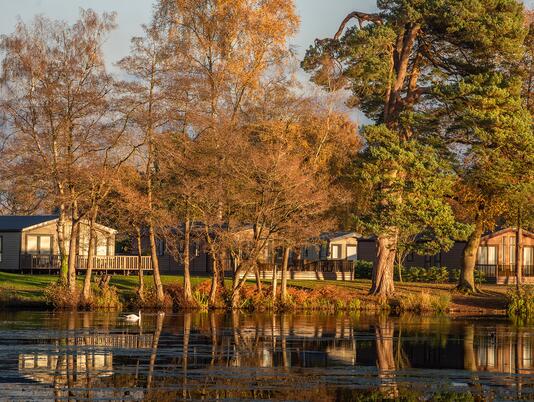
{"x": 55, "y": 94}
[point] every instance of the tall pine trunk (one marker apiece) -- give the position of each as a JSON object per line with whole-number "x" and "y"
{"x": 383, "y": 268}
{"x": 466, "y": 282}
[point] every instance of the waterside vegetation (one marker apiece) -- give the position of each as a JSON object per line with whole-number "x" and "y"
{"x": 43, "y": 291}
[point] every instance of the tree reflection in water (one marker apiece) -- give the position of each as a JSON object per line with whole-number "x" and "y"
{"x": 313, "y": 356}
{"x": 385, "y": 361}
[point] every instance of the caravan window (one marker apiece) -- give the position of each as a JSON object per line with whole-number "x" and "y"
{"x": 39, "y": 244}
{"x": 487, "y": 255}
{"x": 336, "y": 251}
{"x": 528, "y": 256}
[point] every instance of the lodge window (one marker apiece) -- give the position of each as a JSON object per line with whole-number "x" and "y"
{"x": 1, "y": 247}
{"x": 39, "y": 244}
{"x": 336, "y": 251}
{"x": 528, "y": 256}
{"x": 487, "y": 255}
{"x": 410, "y": 257}
{"x": 428, "y": 260}
{"x": 511, "y": 250}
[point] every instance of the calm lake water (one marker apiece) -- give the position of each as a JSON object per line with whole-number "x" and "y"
{"x": 305, "y": 356}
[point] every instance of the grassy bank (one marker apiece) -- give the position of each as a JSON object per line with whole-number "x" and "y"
{"x": 28, "y": 291}
{"x": 492, "y": 300}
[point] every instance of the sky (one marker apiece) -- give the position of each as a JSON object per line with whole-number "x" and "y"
{"x": 319, "y": 18}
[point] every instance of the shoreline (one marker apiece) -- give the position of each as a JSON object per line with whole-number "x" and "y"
{"x": 18, "y": 291}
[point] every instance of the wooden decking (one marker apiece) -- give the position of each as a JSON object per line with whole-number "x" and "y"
{"x": 342, "y": 270}
{"x": 101, "y": 264}
{"x": 506, "y": 274}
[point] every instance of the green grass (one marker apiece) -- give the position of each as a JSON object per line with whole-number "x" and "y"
{"x": 29, "y": 289}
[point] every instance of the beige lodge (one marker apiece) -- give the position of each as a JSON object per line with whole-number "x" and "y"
{"x": 29, "y": 244}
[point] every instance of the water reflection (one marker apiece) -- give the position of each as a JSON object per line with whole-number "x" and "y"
{"x": 303, "y": 356}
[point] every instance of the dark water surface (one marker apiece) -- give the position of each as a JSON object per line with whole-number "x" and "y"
{"x": 217, "y": 356}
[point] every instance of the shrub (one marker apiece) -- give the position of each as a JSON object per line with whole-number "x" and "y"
{"x": 59, "y": 296}
{"x": 480, "y": 277}
{"x": 201, "y": 299}
{"x": 418, "y": 274}
{"x": 176, "y": 293}
{"x": 363, "y": 269}
{"x": 521, "y": 302}
{"x": 424, "y": 302}
{"x": 106, "y": 297}
{"x": 203, "y": 290}
{"x": 321, "y": 298}
{"x": 150, "y": 300}
{"x": 454, "y": 275}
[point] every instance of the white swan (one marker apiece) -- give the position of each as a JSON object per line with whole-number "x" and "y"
{"x": 133, "y": 317}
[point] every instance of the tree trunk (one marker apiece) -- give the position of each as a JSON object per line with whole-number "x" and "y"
{"x": 185, "y": 352}
{"x": 86, "y": 295}
{"x": 382, "y": 278}
{"x": 223, "y": 261}
{"x": 214, "y": 283}
{"x": 283, "y": 284}
{"x": 384, "y": 334}
{"x": 64, "y": 268}
{"x": 73, "y": 248}
{"x": 154, "y": 349}
{"x": 141, "y": 288}
{"x": 519, "y": 252}
{"x": 155, "y": 264}
{"x": 258, "y": 276}
{"x": 275, "y": 284}
{"x": 467, "y": 275}
{"x": 188, "y": 293}
{"x": 470, "y": 361}
{"x": 399, "y": 259}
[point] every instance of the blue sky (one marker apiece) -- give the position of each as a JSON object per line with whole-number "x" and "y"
{"x": 319, "y": 18}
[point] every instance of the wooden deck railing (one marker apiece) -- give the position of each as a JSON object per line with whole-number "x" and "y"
{"x": 493, "y": 271}
{"x": 124, "y": 263}
{"x": 315, "y": 266}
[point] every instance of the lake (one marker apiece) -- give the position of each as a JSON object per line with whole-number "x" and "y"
{"x": 239, "y": 356}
